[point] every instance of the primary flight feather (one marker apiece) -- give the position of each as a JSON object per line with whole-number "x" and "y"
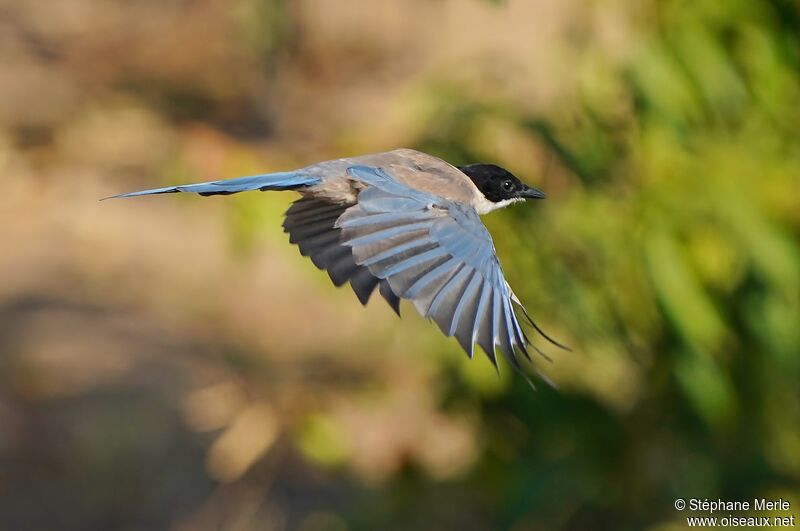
{"x": 406, "y": 223}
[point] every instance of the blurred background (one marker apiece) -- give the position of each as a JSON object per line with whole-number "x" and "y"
{"x": 172, "y": 363}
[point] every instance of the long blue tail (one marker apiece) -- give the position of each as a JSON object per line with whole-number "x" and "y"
{"x": 268, "y": 181}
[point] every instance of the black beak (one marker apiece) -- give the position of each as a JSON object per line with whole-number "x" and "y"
{"x": 529, "y": 192}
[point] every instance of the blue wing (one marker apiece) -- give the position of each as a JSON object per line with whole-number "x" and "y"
{"x": 438, "y": 254}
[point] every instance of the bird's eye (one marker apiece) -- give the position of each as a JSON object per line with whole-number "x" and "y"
{"x": 507, "y": 186}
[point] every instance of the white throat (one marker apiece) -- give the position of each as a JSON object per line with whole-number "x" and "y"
{"x": 484, "y": 206}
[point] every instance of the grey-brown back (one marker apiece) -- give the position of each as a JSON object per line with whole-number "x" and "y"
{"x": 412, "y": 168}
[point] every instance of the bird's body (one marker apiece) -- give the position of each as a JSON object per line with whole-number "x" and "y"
{"x": 407, "y": 223}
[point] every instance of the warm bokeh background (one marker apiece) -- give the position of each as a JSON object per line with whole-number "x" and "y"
{"x": 172, "y": 363}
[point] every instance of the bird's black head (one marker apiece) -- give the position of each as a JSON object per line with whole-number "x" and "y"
{"x": 498, "y": 184}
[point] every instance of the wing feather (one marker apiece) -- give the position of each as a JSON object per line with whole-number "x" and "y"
{"x": 443, "y": 305}
{"x": 414, "y": 262}
{"x": 464, "y": 312}
{"x": 363, "y": 283}
{"x": 342, "y": 269}
{"x": 412, "y": 245}
{"x": 484, "y": 321}
{"x": 386, "y": 233}
{"x": 439, "y": 284}
{"x": 311, "y": 224}
{"x": 306, "y": 231}
{"x": 437, "y": 254}
{"x": 425, "y": 281}
{"x": 390, "y": 296}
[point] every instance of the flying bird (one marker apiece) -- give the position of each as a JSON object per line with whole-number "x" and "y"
{"x": 406, "y": 223}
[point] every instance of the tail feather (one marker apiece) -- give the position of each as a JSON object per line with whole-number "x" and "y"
{"x": 268, "y": 181}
